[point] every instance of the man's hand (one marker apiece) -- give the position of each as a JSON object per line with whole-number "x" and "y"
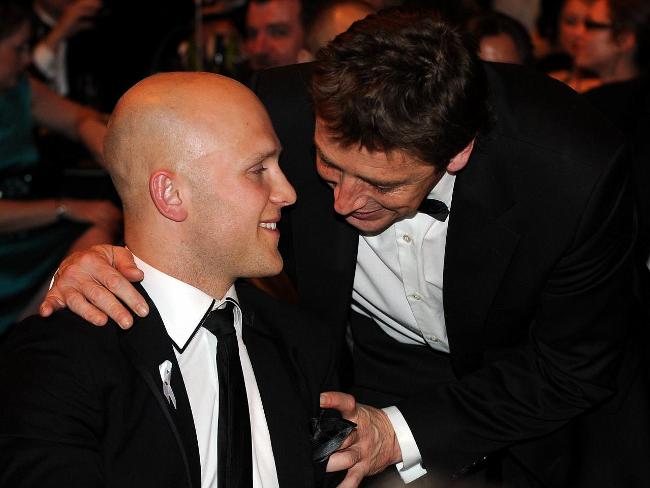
{"x": 90, "y": 283}
{"x": 369, "y": 449}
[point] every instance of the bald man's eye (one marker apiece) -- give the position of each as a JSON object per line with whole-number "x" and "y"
{"x": 258, "y": 170}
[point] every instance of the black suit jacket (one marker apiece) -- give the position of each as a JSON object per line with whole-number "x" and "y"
{"x": 536, "y": 286}
{"x": 627, "y": 105}
{"x": 83, "y": 406}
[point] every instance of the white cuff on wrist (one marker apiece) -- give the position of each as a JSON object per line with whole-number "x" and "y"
{"x": 411, "y": 467}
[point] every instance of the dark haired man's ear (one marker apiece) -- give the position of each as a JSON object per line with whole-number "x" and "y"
{"x": 166, "y": 196}
{"x": 459, "y": 161}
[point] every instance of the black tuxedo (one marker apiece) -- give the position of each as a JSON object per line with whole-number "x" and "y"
{"x": 536, "y": 291}
{"x": 84, "y": 406}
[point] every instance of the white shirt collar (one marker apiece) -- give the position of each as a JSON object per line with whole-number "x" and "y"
{"x": 181, "y": 306}
{"x": 444, "y": 189}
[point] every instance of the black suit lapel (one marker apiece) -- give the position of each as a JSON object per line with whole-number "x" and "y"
{"x": 147, "y": 346}
{"x": 284, "y": 409}
{"x": 480, "y": 243}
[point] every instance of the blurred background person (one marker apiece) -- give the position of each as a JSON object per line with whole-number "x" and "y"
{"x": 571, "y": 26}
{"x": 328, "y": 21}
{"x": 501, "y": 39}
{"x": 614, "y": 42}
{"x": 37, "y": 226}
{"x": 274, "y": 33}
{"x": 59, "y": 56}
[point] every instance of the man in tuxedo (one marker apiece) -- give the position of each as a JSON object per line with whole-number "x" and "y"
{"x": 217, "y": 385}
{"x": 477, "y": 259}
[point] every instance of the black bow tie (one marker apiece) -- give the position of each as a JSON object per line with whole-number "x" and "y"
{"x": 435, "y": 208}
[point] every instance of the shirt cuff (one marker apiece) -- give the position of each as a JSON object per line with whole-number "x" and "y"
{"x": 411, "y": 467}
{"x": 43, "y": 58}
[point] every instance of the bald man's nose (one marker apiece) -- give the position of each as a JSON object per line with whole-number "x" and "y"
{"x": 283, "y": 192}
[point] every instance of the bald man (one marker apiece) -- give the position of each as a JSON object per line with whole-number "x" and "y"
{"x": 195, "y": 160}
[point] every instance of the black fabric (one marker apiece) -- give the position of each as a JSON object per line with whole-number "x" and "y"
{"x": 235, "y": 467}
{"x": 380, "y": 363}
{"x": 435, "y": 208}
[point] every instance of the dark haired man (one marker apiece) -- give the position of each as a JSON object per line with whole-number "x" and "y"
{"x": 480, "y": 259}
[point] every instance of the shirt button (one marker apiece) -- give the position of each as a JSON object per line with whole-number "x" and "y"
{"x": 416, "y": 296}
{"x": 432, "y": 338}
{"x": 407, "y": 238}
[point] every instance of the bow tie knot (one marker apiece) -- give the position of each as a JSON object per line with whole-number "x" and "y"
{"x": 435, "y": 208}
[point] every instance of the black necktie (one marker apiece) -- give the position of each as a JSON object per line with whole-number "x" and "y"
{"x": 234, "y": 432}
{"x": 435, "y": 208}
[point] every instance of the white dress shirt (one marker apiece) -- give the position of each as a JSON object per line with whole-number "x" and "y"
{"x": 181, "y": 307}
{"x": 51, "y": 63}
{"x": 398, "y": 283}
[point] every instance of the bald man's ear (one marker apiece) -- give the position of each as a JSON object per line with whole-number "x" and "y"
{"x": 459, "y": 161}
{"x": 165, "y": 193}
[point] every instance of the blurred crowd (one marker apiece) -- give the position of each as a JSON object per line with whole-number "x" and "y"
{"x": 64, "y": 64}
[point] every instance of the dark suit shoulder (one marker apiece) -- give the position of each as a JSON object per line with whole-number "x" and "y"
{"x": 541, "y": 112}
{"x": 53, "y": 377}
{"x": 64, "y": 330}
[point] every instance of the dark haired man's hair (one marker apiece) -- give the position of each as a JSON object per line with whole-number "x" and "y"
{"x": 13, "y": 14}
{"x": 401, "y": 80}
{"x": 633, "y": 16}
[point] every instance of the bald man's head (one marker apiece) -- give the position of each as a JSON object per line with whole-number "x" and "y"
{"x": 195, "y": 160}
{"x": 169, "y": 120}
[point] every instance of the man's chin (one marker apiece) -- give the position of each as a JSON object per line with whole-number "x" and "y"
{"x": 368, "y": 227}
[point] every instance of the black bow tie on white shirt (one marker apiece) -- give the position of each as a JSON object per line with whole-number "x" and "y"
{"x": 435, "y": 208}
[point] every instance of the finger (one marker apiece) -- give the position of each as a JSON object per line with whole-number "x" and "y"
{"x": 79, "y": 305}
{"x": 353, "y": 478}
{"x": 50, "y": 304}
{"x": 341, "y": 460}
{"x": 95, "y": 303}
{"x": 127, "y": 294}
{"x": 342, "y": 402}
{"x": 124, "y": 263}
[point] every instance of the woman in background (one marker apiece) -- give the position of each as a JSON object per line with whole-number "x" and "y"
{"x": 36, "y": 228}
{"x": 614, "y": 42}
{"x": 572, "y": 26}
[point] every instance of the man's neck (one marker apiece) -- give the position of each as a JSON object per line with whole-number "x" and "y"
{"x": 185, "y": 270}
